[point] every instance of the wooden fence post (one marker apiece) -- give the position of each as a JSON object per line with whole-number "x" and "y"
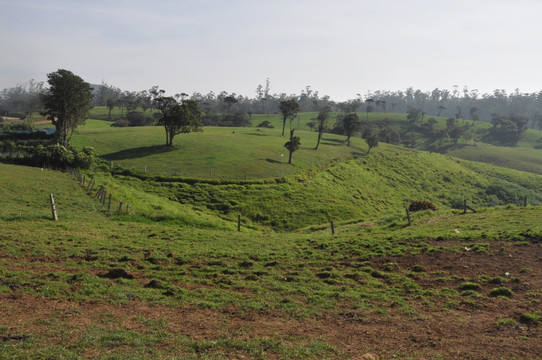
{"x": 239, "y": 222}
{"x": 53, "y": 208}
{"x": 332, "y": 227}
{"x": 127, "y": 208}
{"x": 408, "y": 216}
{"x": 525, "y": 201}
{"x": 120, "y": 208}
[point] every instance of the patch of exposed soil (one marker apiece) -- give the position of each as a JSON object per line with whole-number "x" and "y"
{"x": 466, "y": 330}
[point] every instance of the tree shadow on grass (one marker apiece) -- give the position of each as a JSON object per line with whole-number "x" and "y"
{"x": 138, "y": 152}
{"x": 257, "y": 134}
{"x": 273, "y": 161}
{"x": 333, "y": 142}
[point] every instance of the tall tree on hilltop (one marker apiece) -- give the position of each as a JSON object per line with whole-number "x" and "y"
{"x": 322, "y": 123}
{"x": 66, "y": 103}
{"x": 289, "y": 110}
{"x": 351, "y": 125}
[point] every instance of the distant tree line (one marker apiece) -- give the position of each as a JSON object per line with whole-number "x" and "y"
{"x": 137, "y": 108}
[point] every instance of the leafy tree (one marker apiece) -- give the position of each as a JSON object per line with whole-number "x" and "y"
{"x": 322, "y": 123}
{"x": 292, "y": 145}
{"x": 390, "y": 136}
{"x": 178, "y": 118}
{"x": 289, "y": 110}
{"x": 351, "y": 125}
{"x": 372, "y": 141}
{"x": 230, "y": 100}
{"x": 413, "y": 115}
{"x": 456, "y": 133}
{"x": 441, "y": 108}
{"x": 66, "y": 103}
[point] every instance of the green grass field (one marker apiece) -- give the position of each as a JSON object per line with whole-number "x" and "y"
{"x": 174, "y": 279}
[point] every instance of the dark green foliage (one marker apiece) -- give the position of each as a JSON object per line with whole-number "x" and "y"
{"x": 59, "y": 157}
{"x": 507, "y": 130}
{"x": 501, "y": 291}
{"x": 289, "y": 110}
{"x": 389, "y": 135}
{"x": 351, "y": 125}
{"x": 531, "y": 318}
{"x": 67, "y": 103}
{"x": 239, "y": 119}
{"x": 419, "y": 205}
{"x": 178, "y": 118}
{"x": 135, "y": 118}
{"x": 469, "y": 286}
{"x": 265, "y": 124}
{"x": 372, "y": 141}
{"x": 292, "y": 145}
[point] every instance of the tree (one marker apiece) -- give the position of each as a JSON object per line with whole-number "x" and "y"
{"x": 390, "y": 136}
{"x": 230, "y": 100}
{"x": 440, "y": 109}
{"x": 178, "y": 118}
{"x": 289, "y": 110}
{"x": 66, "y": 103}
{"x": 369, "y": 107}
{"x": 350, "y": 125}
{"x": 322, "y": 123}
{"x": 372, "y": 141}
{"x": 292, "y": 145}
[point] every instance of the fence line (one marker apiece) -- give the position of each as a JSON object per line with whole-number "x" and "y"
{"x": 102, "y": 195}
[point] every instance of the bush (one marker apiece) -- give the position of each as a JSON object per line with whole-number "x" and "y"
{"x": 419, "y": 205}
{"x": 469, "y": 286}
{"x": 265, "y": 124}
{"x": 59, "y": 157}
{"x": 501, "y": 291}
{"x": 457, "y": 202}
{"x": 84, "y": 158}
{"x": 530, "y": 318}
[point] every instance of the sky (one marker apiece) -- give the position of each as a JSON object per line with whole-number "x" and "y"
{"x": 339, "y": 48}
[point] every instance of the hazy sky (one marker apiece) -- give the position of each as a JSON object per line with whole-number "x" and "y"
{"x": 338, "y": 47}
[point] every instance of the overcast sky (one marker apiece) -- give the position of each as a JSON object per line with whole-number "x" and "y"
{"x": 338, "y": 47}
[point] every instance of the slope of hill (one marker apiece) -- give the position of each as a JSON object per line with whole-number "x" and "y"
{"x": 94, "y": 285}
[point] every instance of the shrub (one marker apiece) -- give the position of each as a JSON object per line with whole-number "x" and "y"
{"x": 501, "y": 291}
{"x": 419, "y": 205}
{"x": 84, "y": 158}
{"x": 457, "y": 202}
{"x": 530, "y": 318}
{"x": 265, "y": 124}
{"x": 468, "y": 286}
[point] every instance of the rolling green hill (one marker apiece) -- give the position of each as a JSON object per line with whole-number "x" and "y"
{"x": 98, "y": 285}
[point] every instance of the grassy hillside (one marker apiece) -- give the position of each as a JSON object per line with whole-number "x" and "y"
{"x": 97, "y": 286}
{"x": 230, "y": 153}
{"x": 367, "y": 189}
